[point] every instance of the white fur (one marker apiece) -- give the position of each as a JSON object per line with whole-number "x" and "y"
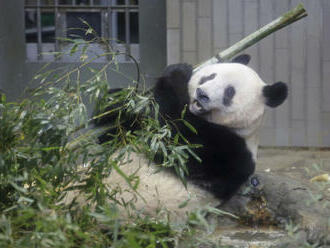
{"x": 160, "y": 190}
{"x": 246, "y": 111}
{"x": 159, "y": 193}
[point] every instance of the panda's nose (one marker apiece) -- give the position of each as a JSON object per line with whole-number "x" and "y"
{"x": 202, "y": 96}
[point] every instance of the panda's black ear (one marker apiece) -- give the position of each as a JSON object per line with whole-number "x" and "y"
{"x": 242, "y": 59}
{"x": 275, "y": 94}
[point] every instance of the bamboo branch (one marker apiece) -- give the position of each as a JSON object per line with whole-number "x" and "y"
{"x": 284, "y": 20}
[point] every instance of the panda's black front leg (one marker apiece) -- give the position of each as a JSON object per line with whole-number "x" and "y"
{"x": 230, "y": 183}
{"x": 226, "y": 183}
{"x": 171, "y": 89}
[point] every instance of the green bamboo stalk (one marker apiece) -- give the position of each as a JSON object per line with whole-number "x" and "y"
{"x": 284, "y": 20}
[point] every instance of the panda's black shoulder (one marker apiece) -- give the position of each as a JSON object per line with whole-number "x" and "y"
{"x": 218, "y": 137}
{"x": 171, "y": 89}
{"x": 226, "y": 160}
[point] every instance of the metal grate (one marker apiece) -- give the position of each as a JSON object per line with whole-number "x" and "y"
{"x": 115, "y": 20}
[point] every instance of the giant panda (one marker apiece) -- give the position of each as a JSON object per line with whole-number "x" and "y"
{"x": 225, "y": 104}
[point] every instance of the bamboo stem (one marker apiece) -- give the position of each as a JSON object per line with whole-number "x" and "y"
{"x": 284, "y": 20}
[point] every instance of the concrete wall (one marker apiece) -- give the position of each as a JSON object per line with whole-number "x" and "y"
{"x": 299, "y": 55}
{"x": 12, "y": 47}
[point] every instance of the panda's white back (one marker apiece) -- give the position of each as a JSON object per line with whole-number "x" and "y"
{"x": 160, "y": 191}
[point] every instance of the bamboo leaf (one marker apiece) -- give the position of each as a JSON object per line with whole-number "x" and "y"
{"x": 188, "y": 125}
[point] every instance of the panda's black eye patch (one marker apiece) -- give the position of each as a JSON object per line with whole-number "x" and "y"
{"x": 207, "y": 78}
{"x": 228, "y": 95}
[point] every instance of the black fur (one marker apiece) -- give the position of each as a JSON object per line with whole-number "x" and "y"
{"x": 207, "y": 78}
{"x": 127, "y": 120}
{"x": 275, "y": 94}
{"x": 226, "y": 161}
{"x": 228, "y": 95}
{"x": 242, "y": 59}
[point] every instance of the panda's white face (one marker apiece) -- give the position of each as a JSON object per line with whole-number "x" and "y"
{"x": 229, "y": 94}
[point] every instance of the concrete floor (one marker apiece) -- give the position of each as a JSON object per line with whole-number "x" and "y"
{"x": 301, "y": 164}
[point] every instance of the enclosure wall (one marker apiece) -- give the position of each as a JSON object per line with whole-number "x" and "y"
{"x": 299, "y": 55}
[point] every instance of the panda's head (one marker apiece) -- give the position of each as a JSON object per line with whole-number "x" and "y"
{"x": 233, "y": 95}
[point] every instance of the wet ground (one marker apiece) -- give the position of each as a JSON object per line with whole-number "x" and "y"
{"x": 299, "y": 164}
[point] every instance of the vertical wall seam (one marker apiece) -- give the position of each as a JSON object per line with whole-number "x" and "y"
{"x": 227, "y": 24}
{"x": 181, "y": 30}
{"x": 321, "y": 134}
{"x": 305, "y": 82}
{"x": 289, "y": 40}
{"x": 197, "y": 41}
{"x": 274, "y": 70}
{"x": 212, "y": 29}
{"x": 243, "y": 33}
{"x": 258, "y": 27}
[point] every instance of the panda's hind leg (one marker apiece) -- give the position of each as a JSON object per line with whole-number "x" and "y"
{"x": 230, "y": 183}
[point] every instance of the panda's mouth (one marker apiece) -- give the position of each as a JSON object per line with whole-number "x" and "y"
{"x": 197, "y": 108}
